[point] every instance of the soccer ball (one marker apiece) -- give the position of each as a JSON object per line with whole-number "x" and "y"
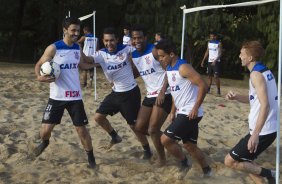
{"x": 50, "y": 68}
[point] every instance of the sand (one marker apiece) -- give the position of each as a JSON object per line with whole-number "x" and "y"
{"x": 23, "y": 99}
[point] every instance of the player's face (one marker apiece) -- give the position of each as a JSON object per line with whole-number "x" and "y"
{"x": 212, "y": 37}
{"x": 110, "y": 41}
{"x": 246, "y": 59}
{"x": 138, "y": 40}
{"x": 72, "y": 32}
{"x": 164, "y": 58}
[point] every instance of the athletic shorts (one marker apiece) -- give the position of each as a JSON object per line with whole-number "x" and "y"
{"x": 55, "y": 109}
{"x": 213, "y": 70}
{"x": 241, "y": 153}
{"x": 184, "y": 129}
{"x": 150, "y": 102}
{"x": 127, "y": 103}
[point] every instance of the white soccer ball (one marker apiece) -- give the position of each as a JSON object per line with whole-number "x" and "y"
{"x": 50, "y": 68}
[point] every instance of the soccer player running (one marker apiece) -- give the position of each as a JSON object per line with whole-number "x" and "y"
{"x": 125, "y": 96}
{"x": 65, "y": 91}
{"x": 157, "y": 102}
{"x": 188, "y": 90}
{"x": 262, "y": 117}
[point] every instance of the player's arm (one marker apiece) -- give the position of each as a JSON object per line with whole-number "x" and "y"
{"x": 48, "y": 55}
{"x": 259, "y": 84}
{"x": 86, "y": 62}
{"x": 81, "y": 40}
{"x": 172, "y": 111}
{"x": 234, "y": 96}
{"x": 187, "y": 71}
{"x": 205, "y": 57}
{"x": 219, "y": 51}
{"x": 161, "y": 96}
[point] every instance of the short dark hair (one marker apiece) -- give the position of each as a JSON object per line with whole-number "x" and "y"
{"x": 110, "y": 30}
{"x": 70, "y": 20}
{"x": 167, "y": 46}
{"x": 160, "y": 34}
{"x": 87, "y": 28}
{"x": 139, "y": 27}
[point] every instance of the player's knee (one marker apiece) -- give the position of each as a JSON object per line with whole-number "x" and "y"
{"x": 190, "y": 147}
{"x": 153, "y": 130}
{"x": 229, "y": 161}
{"x": 99, "y": 118}
{"x": 165, "y": 140}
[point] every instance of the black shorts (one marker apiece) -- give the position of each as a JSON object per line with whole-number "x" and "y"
{"x": 213, "y": 70}
{"x": 184, "y": 129}
{"x": 55, "y": 109}
{"x": 241, "y": 153}
{"x": 127, "y": 103}
{"x": 150, "y": 102}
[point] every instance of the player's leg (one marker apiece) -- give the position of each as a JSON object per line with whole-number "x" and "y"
{"x": 129, "y": 109}
{"x": 91, "y": 75}
{"x": 216, "y": 70}
{"x": 109, "y": 106}
{"x": 84, "y": 77}
{"x": 52, "y": 115}
{"x": 190, "y": 144}
{"x": 239, "y": 158}
{"x": 142, "y": 121}
{"x": 79, "y": 119}
{"x": 210, "y": 75}
{"x": 157, "y": 119}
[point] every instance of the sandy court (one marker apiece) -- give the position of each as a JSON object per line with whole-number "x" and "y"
{"x": 23, "y": 99}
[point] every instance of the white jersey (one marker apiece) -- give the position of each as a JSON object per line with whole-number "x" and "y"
{"x": 271, "y": 120}
{"x": 182, "y": 90}
{"x": 213, "y": 47}
{"x": 126, "y": 40}
{"x": 150, "y": 70}
{"x": 117, "y": 67}
{"x": 90, "y": 44}
{"x": 67, "y": 86}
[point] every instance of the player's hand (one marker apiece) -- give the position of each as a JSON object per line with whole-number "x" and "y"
{"x": 253, "y": 143}
{"x": 213, "y": 63}
{"x": 193, "y": 114}
{"x": 46, "y": 78}
{"x": 160, "y": 98}
{"x": 231, "y": 95}
{"x": 202, "y": 64}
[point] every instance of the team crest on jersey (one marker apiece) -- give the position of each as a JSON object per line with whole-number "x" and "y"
{"x": 76, "y": 55}
{"x": 148, "y": 61}
{"x": 120, "y": 56}
{"x": 174, "y": 77}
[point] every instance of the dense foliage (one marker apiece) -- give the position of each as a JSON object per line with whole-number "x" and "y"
{"x": 28, "y": 26}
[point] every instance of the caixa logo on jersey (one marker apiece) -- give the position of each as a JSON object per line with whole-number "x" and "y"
{"x": 69, "y": 66}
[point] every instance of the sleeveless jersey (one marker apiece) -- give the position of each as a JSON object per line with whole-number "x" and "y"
{"x": 182, "y": 90}
{"x": 213, "y": 46}
{"x": 150, "y": 70}
{"x": 117, "y": 67}
{"x": 90, "y": 44}
{"x": 271, "y": 120}
{"x": 67, "y": 86}
{"x": 126, "y": 40}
